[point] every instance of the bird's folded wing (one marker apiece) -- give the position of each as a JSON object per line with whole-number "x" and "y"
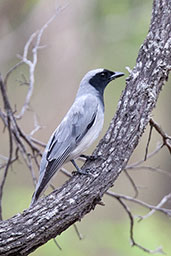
{"x": 72, "y": 129}
{"x": 66, "y": 137}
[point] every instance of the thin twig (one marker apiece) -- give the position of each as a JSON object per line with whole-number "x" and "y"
{"x": 80, "y": 236}
{"x": 8, "y": 111}
{"x": 7, "y": 166}
{"x": 12, "y": 161}
{"x": 161, "y": 203}
{"x": 11, "y": 71}
{"x": 38, "y": 142}
{"x": 56, "y": 243}
{"x": 32, "y": 64}
{"x": 166, "y": 138}
{"x": 158, "y": 148}
{"x": 150, "y": 168}
{"x": 132, "y": 183}
{"x": 133, "y": 243}
{"x": 148, "y": 142}
{"x": 37, "y": 127}
{"x": 137, "y": 201}
{"x": 23, "y": 81}
{"x": 29, "y": 163}
{"x": 17, "y": 133}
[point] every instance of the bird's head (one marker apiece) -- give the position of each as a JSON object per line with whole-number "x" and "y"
{"x": 99, "y": 78}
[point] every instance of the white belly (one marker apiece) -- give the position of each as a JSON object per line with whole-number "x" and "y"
{"x": 90, "y": 136}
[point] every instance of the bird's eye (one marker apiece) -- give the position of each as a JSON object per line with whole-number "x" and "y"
{"x": 103, "y": 74}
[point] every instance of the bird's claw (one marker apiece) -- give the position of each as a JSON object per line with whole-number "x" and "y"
{"x": 91, "y": 158}
{"x": 81, "y": 172}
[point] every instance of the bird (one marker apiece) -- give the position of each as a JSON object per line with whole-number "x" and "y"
{"x": 79, "y": 128}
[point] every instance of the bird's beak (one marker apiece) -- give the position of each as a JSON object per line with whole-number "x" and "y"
{"x": 116, "y": 75}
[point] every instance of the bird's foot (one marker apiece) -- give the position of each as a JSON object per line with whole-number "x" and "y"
{"x": 79, "y": 170}
{"x": 91, "y": 158}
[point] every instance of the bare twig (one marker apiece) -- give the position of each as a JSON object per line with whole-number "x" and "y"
{"x": 3, "y": 117}
{"x": 166, "y": 138}
{"x": 12, "y": 160}
{"x": 80, "y": 236}
{"x": 131, "y": 218}
{"x": 150, "y": 168}
{"x": 32, "y": 64}
{"x": 8, "y": 110}
{"x": 11, "y": 71}
{"x": 16, "y": 133}
{"x": 38, "y": 142}
{"x": 162, "y": 202}
{"x": 29, "y": 163}
{"x": 158, "y": 148}
{"x": 23, "y": 81}
{"x": 57, "y": 244}
{"x": 137, "y": 201}
{"x": 133, "y": 243}
{"x": 37, "y": 127}
{"x": 4, "y": 157}
{"x": 132, "y": 183}
{"x": 7, "y": 167}
{"x": 148, "y": 142}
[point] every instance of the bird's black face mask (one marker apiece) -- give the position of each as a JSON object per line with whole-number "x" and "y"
{"x": 101, "y": 79}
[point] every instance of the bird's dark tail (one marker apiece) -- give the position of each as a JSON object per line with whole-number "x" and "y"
{"x": 43, "y": 181}
{"x": 36, "y": 196}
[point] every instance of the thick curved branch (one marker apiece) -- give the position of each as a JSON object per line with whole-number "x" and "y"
{"x": 25, "y": 232}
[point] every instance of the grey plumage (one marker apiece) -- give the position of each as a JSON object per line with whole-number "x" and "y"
{"x": 79, "y": 128}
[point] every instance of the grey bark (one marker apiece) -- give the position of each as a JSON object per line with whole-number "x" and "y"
{"x": 25, "y": 232}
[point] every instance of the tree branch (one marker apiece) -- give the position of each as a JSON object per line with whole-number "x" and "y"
{"x": 53, "y": 214}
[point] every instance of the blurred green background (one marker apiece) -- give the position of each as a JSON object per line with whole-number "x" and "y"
{"x": 86, "y": 35}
